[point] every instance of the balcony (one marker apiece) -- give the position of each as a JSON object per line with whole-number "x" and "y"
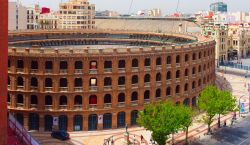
{"x": 48, "y": 71}
{"x": 19, "y": 70}
{"x": 92, "y": 107}
{"x": 147, "y": 84}
{"x": 158, "y": 99}
{"x": 134, "y": 103}
{"x": 177, "y": 95}
{"x": 194, "y": 75}
{"x": 169, "y": 82}
{"x": 78, "y": 107}
{"x": 20, "y": 87}
{"x": 186, "y": 63}
{"x": 193, "y": 90}
{"x": 107, "y": 105}
{"x": 33, "y": 71}
{"x": 78, "y": 71}
{"x": 107, "y": 70}
{"x": 78, "y": 89}
{"x": 63, "y": 71}
{"x": 158, "y": 67}
{"x": 135, "y": 69}
{"x": 48, "y": 107}
{"x": 8, "y": 87}
{"x": 9, "y": 69}
{"x": 178, "y": 80}
{"x": 19, "y": 105}
{"x": 134, "y": 86}
{"x": 33, "y": 106}
{"x": 33, "y": 88}
{"x": 121, "y": 87}
{"x": 107, "y": 88}
{"x": 93, "y": 88}
{"x": 146, "y": 101}
{"x": 63, "y": 89}
{"x": 168, "y": 65}
{"x": 121, "y": 70}
{"x": 194, "y": 61}
{"x": 186, "y": 77}
{"x": 63, "y": 107}
{"x": 178, "y": 65}
{"x": 158, "y": 83}
{"x": 147, "y": 68}
{"x": 48, "y": 89}
{"x": 186, "y": 93}
{"x": 121, "y": 104}
{"x": 93, "y": 71}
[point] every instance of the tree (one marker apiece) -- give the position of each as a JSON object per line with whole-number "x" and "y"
{"x": 207, "y": 102}
{"x": 162, "y": 119}
{"x": 186, "y": 118}
{"x": 225, "y": 104}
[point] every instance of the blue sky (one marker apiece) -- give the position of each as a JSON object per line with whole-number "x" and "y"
{"x": 167, "y": 6}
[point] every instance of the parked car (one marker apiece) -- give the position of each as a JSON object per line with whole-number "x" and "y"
{"x": 62, "y": 135}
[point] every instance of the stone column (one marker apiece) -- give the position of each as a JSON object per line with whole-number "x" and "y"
{"x": 26, "y": 121}
{"x": 41, "y": 122}
{"x": 114, "y": 120}
{"x": 70, "y": 123}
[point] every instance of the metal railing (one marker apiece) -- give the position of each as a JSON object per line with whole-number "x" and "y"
{"x": 48, "y": 71}
{"x": 135, "y": 69}
{"x": 78, "y": 71}
{"x": 78, "y": 107}
{"x": 147, "y": 84}
{"x": 92, "y": 106}
{"x": 107, "y": 88}
{"x": 107, "y": 105}
{"x": 235, "y": 65}
{"x": 20, "y": 87}
{"x": 63, "y": 89}
{"x": 78, "y": 89}
{"x": 93, "y": 71}
{"x": 34, "y": 71}
{"x": 48, "y": 107}
{"x": 134, "y": 103}
{"x": 147, "y": 68}
{"x": 19, "y": 105}
{"x": 146, "y": 101}
{"x": 33, "y": 88}
{"x": 19, "y": 70}
{"x": 93, "y": 88}
{"x": 121, "y": 104}
{"x": 63, "y": 71}
{"x": 121, "y": 87}
{"x": 48, "y": 89}
{"x": 63, "y": 107}
{"x": 107, "y": 70}
{"x": 121, "y": 70}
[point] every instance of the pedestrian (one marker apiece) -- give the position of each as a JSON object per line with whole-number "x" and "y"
{"x": 232, "y": 121}
{"x": 225, "y": 123}
{"x": 142, "y": 139}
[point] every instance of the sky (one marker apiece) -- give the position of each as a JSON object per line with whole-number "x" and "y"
{"x": 167, "y": 6}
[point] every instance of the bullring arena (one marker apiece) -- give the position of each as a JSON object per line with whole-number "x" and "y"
{"x": 79, "y": 76}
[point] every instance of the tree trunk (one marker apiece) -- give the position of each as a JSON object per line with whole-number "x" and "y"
{"x": 172, "y": 138}
{"x": 208, "y": 129}
{"x": 186, "y": 140}
{"x": 219, "y": 121}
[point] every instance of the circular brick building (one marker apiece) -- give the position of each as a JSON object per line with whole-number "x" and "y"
{"x": 91, "y": 80}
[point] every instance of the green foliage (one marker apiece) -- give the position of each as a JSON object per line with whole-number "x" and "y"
{"x": 163, "y": 119}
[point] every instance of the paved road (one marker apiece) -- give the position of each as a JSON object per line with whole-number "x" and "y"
{"x": 238, "y": 134}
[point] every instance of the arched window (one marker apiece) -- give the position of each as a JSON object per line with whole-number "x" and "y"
{"x": 147, "y": 62}
{"x": 158, "y": 93}
{"x": 186, "y": 102}
{"x": 48, "y": 83}
{"x": 147, "y": 95}
{"x": 9, "y": 63}
{"x": 48, "y": 100}
{"x": 186, "y": 57}
{"x": 193, "y": 85}
{"x": 20, "y": 99}
{"x": 199, "y": 82}
{"x": 199, "y": 69}
{"x": 107, "y": 64}
{"x": 177, "y": 89}
{"x": 78, "y": 65}
{"x": 107, "y": 99}
{"x": 134, "y": 116}
{"x": 63, "y": 82}
{"x": 205, "y": 54}
{"x": 169, "y": 75}
{"x": 194, "y": 71}
{"x": 147, "y": 78}
{"x": 78, "y": 82}
{"x": 121, "y": 119}
{"x": 121, "y": 64}
{"x": 19, "y": 118}
{"x": 107, "y": 121}
{"x": 121, "y": 80}
{"x": 33, "y": 121}
{"x": 134, "y": 96}
{"x": 93, "y": 82}
{"x": 92, "y": 122}
{"x": 33, "y": 82}
{"x": 48, "y": 65}
{"x": 158, "y": 61}
{"x": 186, "y": 87}
{"x": 63, "y": 65}
{"x": 33, "y": 100}
{"x": 107, "y": 81}
{"x": 199, "y": 55}
{"x": 178, "y": 74}
{"x": 134, "y": 79}
{"x": 178, "y": 59}
{"x": 63, "y": 100}
{"x": 134, "y": 63}
{"x": 78, "y": 100}
{"x": 93, "y": 65}
{"x": 169, "y": 60}
{"x": 158, "y": 77}
{"x": 34, "y": 65}
{"x": 168, "y": 91}
{"x": 93, "y": 100}
{"x": 20, "y": 81}
{"x": 20, "y": 64}
{"x": 194, "y": 102}
{"x": 121, "y": 97}
{"x": 194, "y": 56}
{"x": 186, "y": 72}
{"x": 63, "y": 122}
{"x": 48, "y": 123}
{"x": 77, "y": 123}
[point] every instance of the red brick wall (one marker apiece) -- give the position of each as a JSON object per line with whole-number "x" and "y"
{"x": 3, "y": 69}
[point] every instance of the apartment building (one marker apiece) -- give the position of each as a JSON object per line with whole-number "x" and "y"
{"x": 17, "y": 19}
{"x": 33, "y": 17}
{"x": 48, "y": 20}
{"x": 76, "y": 14}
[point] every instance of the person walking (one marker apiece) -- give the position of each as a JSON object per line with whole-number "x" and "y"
{"x": 142, "y": 139}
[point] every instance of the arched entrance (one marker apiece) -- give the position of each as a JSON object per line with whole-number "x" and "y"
{"x": 121, "y": 119}
{"x": 63, "y": 122}
{"x": 107, "y": 121}
{"x": 134, "y": 116}
{"x": 33, "y": 121}
{"x": 92, "y": 125}
{"x": 48, "y": 123}
{"x": 77, "y": 123}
